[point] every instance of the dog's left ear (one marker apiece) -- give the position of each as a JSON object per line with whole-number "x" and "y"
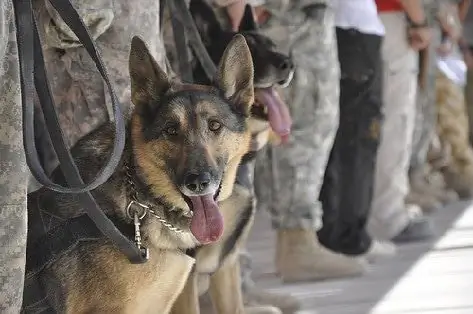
{"x": 248, "y": 22}
{"x": 148, "y": 81}
{"x": 235, "y": 74}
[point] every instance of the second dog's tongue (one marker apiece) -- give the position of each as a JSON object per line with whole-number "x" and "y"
{"x": 278, "y": 113}
{"x": 207, "y": 221}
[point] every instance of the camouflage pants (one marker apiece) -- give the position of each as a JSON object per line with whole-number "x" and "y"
{"x": 426, "y": 114}
{"x": 288, "y": 178}
{"x": 13, "y": 175}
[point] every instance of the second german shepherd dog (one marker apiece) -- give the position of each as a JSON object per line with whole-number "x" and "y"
{"x": 217, "y": 264}
{"x": 183, "y": 148}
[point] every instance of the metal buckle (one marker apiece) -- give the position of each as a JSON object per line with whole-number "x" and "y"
{"x": 142, "y": 214}
{"x": 137, "y": 216}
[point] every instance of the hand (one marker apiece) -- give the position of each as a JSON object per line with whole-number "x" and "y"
{"x": 445, "y": 48}
{"x": 419, "y": 37}
{"x": 235, "y": 12}
{"x": 449, "y": 19}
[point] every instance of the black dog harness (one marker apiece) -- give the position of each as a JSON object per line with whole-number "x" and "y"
{"x": 44, "y": 247}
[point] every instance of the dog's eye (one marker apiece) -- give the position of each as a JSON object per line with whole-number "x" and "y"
{"x": 171, "y": 130}
{"x": 214, "y": 126}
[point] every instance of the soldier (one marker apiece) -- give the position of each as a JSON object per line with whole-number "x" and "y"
{"x": 391, "y": 217}
{"x": 13, "y": 174}
{"x": 444, "y": 19}
{"x": 79, "y": 91}
{"x": 288, "y": 178}
{"x": 347, "y": 190}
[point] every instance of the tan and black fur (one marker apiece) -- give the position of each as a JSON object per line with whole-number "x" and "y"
{"x": 217, "y": 268}
{"x": 169, "y": 136}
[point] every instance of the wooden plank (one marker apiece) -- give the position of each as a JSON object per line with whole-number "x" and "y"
{"x": 424, "y": 278}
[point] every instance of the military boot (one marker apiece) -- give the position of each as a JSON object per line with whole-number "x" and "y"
{"x": 428, "y": 203}
{"x": 300, "y": 257}
{"x": 433, "y": 185}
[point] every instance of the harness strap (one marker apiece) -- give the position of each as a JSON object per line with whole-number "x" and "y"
{"x": 41, "y": 253}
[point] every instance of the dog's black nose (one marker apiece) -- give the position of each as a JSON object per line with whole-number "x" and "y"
{"x": 197, "y": 182}
{"x": 286, "y": 64}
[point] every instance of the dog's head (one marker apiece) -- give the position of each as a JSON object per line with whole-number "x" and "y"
{"x": 271, "y": 68}
{"x": 189, "y": 139}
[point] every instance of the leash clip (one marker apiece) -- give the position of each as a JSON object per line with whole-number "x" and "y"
{"x": 137, "y": 215}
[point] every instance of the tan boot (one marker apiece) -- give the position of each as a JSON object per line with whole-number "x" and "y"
{"x": 256, "y": 297}
{"x": 300, "y": 257}
{"x": 428, "y": 203}
{"x": 434, "y": 186}
{"x": 462, "y": 183}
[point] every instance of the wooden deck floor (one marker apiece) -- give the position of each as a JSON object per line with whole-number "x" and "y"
{"x": 424, "y": 278}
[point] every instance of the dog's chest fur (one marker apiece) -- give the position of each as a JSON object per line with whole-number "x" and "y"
{"x": 238, "y": 214}
{"x": 96, "y": 277}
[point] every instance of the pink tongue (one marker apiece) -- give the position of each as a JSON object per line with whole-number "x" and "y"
{"x": 278, "y": 113}
{"x": 207, "y": 221}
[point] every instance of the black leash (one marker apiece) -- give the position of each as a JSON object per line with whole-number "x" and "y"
{"x": 33, "y": 75}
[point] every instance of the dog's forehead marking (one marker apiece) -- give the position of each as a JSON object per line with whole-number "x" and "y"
{"x": 206, "y": 108}
{"x": 179, "y": 112}
{"x": 179, "y": 87}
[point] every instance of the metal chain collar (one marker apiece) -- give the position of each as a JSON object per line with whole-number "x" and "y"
{"x": 137, "y": 210}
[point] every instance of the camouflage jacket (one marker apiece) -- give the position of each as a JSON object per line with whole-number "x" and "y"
{"x": 77, "y": 86}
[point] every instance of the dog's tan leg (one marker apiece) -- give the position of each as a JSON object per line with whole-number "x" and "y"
{"x": 188, "y": 300}
{"x": 225, "y": 288}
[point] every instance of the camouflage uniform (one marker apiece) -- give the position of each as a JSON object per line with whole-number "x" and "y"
{"x": 79, "y": 91}
{"x": 13, "y": 175}
{"x": 426, "y": 115}
{"x": 288, "y": 178}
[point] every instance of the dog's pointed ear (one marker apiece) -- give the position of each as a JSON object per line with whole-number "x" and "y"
{"x": 248, "y": 22}
{"x": 235, "y": 74}
{"x": 148, "y": 81}
{"x": 205, "y": 20}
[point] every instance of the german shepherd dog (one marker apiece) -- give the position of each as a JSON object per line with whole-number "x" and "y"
{"x": 184, "y": 144}
{"x": 217, "y": 264}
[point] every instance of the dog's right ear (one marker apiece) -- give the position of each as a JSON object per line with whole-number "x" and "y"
{"x": 205, "y": 20}
{"x": 235, "y": 75}
{"x": 148, "y": 81}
